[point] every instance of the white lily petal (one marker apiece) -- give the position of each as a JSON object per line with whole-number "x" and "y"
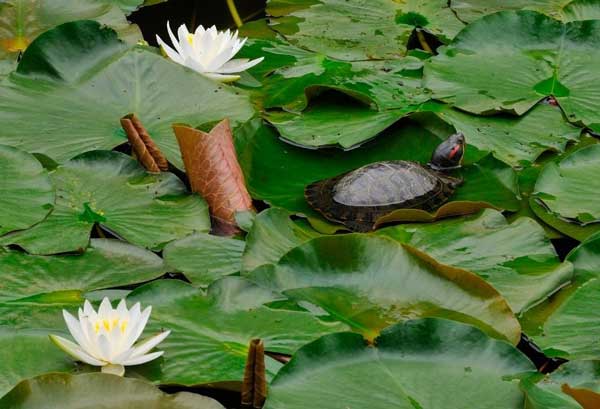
{"x": 172, "y": 54}
{"x": 74, "y": 328}
{"x": 88, "y": 310}
{"x": 173, "y": 38}
{"x": 147, "y": 345}
{"x": 74, "y": 350}
{"x": 221, "y": 77}
{"x": 105, "y": 310}
{"x": 114, "y": 369}
{"x": 143, "y": 359}
{"x": 218, "y": 61}
{"x": 238, "y": 65}
{"x": 105, "y": 348}
{"x": 237, "y": 47}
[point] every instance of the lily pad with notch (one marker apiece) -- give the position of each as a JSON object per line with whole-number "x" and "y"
{"x": 112, "y": 190}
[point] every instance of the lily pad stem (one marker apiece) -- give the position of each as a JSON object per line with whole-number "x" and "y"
{"x": 234, "y": 13}
{"x": 423, "y": 41}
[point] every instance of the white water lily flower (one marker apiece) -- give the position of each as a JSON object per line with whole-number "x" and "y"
{"x": 106, "y": 338}
{"x": 208, "y": 52}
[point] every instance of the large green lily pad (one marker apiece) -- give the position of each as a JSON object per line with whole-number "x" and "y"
{"x": 76, "y": 81}
{"x": 211, "y": 333}
{"x": 105, "y": 264}
{"x": 570, "y": 329}
{"x": 361, "y": 29}
{"x": 428, "y": 363}
{"x": 546, "y": 395}
{"x": 517, "y": 258}
{"x": 112, "y": 190}
{"x": 569, "y": 188}
{"x": 371, "y": 282}
{"x": 296, "y": 74}
{"x": 586, "y": 259}
{"x": 511, "y": 60}
{"x": 272, "y": 235}
{"x": 21, "y": 21}
{"x": 26, "y": 193}
{"x": 65, "y": 391}
{"x": 565, "y": 10}
{"x": 203, "y": 258}
{"x": 278, "y": 173}
{"x": 515, "y": 141}
{"x": 28, "y": 353}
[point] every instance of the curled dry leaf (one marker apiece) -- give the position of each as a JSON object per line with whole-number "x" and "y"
{"x": 214, "y": 172}
{"x": 142, "y": 144}
{"x": 254, "y": 387}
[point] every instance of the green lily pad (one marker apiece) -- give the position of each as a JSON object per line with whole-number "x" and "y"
{"x": 295, "y": 74}
{"x": 105, "y": 264}
{"x": 21, "y": 21}
{"x": 76, "y": 81}
{"x": 565, "y": 10}
{"x": 570, "y": 329}
{"x": 497, "y": 63}
{"x": 278, "y": 173}
{"x": 112, "y": 190}
{"x": 203, "y": 258}
{"x": 586, "y": 259}
{"x": 427, "y": 363}
{"x": 65, "y": 391}
{"x": 546, "y": 395}
{"x": 28, "y": 353}
{"x": 575, "y": 385}
{"x": 568, "y": 188}
{"x": 211, "y": 332}
{"x": 26, "y": 193}
{"x": 272, "y": 235}
{"x": 517, "y": 258}
{"x": 361, "y": 29}
{"x": 371, "y": 282}
{"x": 515, "y": 141}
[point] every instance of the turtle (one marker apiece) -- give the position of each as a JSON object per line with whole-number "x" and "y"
{"x": 359, "y": 197}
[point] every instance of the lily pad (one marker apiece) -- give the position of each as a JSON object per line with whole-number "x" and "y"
{"x": 546, "y": 395}
{"x": 272, "y": 235}
{"x": 361, "y": 29}
{"x": 427, "y": 363}
{"x": 278, "y": 173}
{"x": 511, "y": 60}
{"x": 203, "y": 258}
{"x": 28, "y": 353}
{"x": 568, "y": 188}
{"x": 26, "y": 193}
{"x": 571, "y": 329}
{"x": 515, "y": 141}
{"x": 105, "y": 264}
{"x": 76, "y": 81}
{"x": 295, "y": 74}
{"x": 21, "y": 21}
{"x": 211, "y": 332}
{"x": 65, "y": 391}
{"x": 112, "y": 190}
{"x": 565, "y": 10}
{"x": 517, "y": 258}
{"x": 371, "y": 282}
{"x": 586, "y": 259}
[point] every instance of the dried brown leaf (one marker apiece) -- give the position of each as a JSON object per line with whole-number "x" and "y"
{"x": 214, "y": 172}
{"x": 142, "y": 144}
{"x": 254, "y": 386}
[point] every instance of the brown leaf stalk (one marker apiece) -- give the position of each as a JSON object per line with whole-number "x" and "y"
{"x": 215, "y": 173}
{"x": 142, "y": 144}
{"x": 254, "y": 386}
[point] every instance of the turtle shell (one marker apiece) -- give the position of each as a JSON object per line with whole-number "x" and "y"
{"x": 358, "y": 198}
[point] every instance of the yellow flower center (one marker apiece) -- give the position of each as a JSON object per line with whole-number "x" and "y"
{"x": 108, "y": 325}
{"x": 190, "y": 38}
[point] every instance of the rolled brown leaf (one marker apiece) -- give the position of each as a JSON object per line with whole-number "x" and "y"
{"x": 254, "y": 386}
{"x": 138, "y": 147}
{"x": 214, "y": 171}
{"x": 159, "y": 158}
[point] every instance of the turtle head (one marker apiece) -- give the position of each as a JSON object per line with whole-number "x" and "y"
{"x": 449, "y": 154}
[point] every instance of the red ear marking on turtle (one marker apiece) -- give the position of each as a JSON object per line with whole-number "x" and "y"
{"x": 454, "y": 151}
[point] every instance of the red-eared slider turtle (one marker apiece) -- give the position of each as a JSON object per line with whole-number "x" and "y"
{"x": 358, "y": 198}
